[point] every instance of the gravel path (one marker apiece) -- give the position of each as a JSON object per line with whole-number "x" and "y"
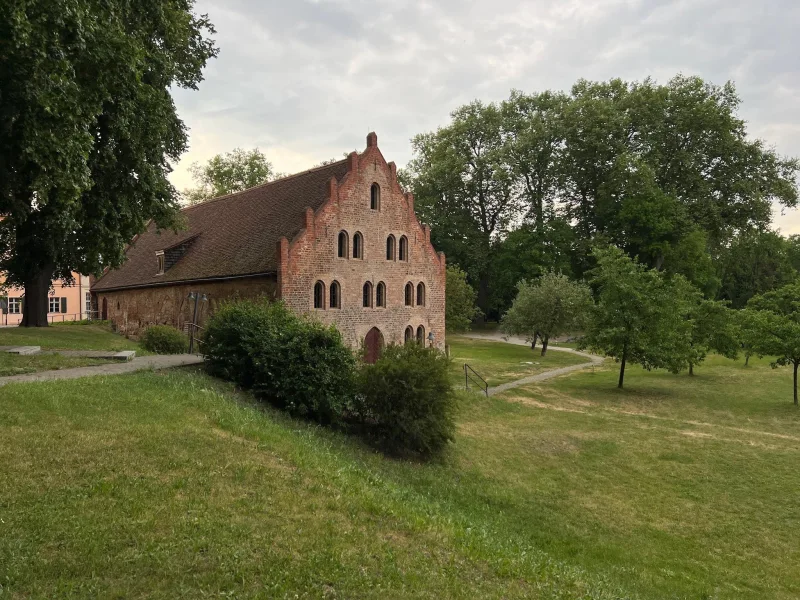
{"x": 498, "y": 337}
{"x": 137, "y": 364}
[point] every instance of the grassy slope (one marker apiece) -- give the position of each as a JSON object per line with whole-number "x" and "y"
{"x": 67, "y": 337}
{"x": 162, "y": 485}
{"x": 498, "y": 362}
{"x": 165, "y": 485}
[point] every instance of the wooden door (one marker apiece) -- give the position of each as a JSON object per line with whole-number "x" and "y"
{"x": 373, "y": 345}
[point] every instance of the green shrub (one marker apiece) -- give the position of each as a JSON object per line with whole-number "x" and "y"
{"x": 163, "y": 339}
{"x": 407, "y": 401}
{"x": 297, "y": 364}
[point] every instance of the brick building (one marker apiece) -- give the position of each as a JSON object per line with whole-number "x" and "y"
{"x": 341, "y": 242}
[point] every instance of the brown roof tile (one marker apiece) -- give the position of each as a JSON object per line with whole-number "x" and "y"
{"x": 234, "y": 235}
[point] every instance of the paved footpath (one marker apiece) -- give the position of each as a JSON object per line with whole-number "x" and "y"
{"x": 498, "y": 337}
{"x": 142, "y": 363}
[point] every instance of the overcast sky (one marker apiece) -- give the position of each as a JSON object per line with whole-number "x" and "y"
{"x": 306, "y": 80}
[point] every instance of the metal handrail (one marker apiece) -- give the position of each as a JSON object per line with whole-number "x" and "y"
{"x": 468, "y": 376}
{"x": 192, "y": 339}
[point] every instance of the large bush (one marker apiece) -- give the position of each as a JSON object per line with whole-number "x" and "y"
{"x": 407, "y": 400}
{"x": 163, "y": 339}
{"x": 297, "y": 364}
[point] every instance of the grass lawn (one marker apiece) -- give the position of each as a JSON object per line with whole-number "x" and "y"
{"x": 67, "y": 337}
{"x": 171, "y": 485}
{"x": 499, "y": 362}
{"x": 11, "y": 364}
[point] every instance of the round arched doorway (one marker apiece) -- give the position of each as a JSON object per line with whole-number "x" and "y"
{"x": 373, "y": 345}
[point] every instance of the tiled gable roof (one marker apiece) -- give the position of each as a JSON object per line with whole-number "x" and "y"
{"x": 234, "y": 235}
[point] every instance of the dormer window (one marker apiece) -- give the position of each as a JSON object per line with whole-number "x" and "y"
{"x": 167, "y": 257}
{"x": 160, "y": 259}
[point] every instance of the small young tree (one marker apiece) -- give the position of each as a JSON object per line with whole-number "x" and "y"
{"x": 772, "y": 326}
{"x": 640, "y": 316}
{"x": 548, "y": 307}
{"x": 460, "y": 308}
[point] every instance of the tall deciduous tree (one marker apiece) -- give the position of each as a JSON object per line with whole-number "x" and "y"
{"x": 753, "y": 263}
{"x": 772, "y": 323}
{"x": 534, "y": 133}
{"x": 88, "y": 129}
{"x": 640, "y": 315}
{"x": 464, "y": 188}
{"x": 228, "y": 173}
{"x": 548, "y": 307}
{"x": 527, "y": 253}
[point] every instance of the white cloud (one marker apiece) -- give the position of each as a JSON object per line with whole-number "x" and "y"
{"x": 305, "y": 80}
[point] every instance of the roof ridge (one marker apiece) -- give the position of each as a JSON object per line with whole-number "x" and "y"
{"x": 266, "y": 183}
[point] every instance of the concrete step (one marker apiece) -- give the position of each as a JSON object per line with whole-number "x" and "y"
{"x": 25, "y": 350}
{"x": 125, "y": 355}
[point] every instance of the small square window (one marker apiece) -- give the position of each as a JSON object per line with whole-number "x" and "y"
{"x": 14, "y": 306}
{"x": 55, "y": 305}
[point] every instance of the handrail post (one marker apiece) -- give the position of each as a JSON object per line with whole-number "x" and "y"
{"x": 466, "y": 377}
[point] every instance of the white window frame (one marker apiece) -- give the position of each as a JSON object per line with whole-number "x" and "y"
{"x": 160, "y": 266}
{"x": 15, "y": 306}
{"x": 88, "y": 304}
{"x": 57, "y": 301}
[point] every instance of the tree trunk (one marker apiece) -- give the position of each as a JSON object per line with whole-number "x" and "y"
{"x": 622, "y": 369}
{"x": 691, "y": 369}
{"x": 545, "y": 341}
{"x": 746, "y": 359}
{"x": 533, "y": 342}
{"x": 34, "y": 306}
{"x": 795, "y": 383}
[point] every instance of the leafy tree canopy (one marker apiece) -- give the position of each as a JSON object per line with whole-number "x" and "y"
{"x": 460, "y": 308}
{"x": 228, "y": 173}
{"x": 88, "y": 130}
{"x": 665, "y": 172}
{"x": 755, "y": 262}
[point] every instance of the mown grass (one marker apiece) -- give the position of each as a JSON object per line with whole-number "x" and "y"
{"x": 67, "y": 337}
{"x": 498, "y": 362}
{"x": 11, "y": 364}
{"x": 172, "y": 485}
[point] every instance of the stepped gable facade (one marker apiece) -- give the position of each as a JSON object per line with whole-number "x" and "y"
{"x": 340, "y": 242}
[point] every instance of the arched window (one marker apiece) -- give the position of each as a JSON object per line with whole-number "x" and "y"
{"x": 375, "y": 197}
{"x": 390, "y": 248}
{"x": 319, "y": 295}
{"x": 336, "y": 295}
{"x": 421, "y": 294}
{"x": 342, "y": 249}
{"x": 367, "y": 295}
{"x": 403, "y": 248}
{"x": 421, "y": 334}
{"x": 409, "y": 294}
{"x": 380, "y": 295}
{"x": 409, "y": 335}
{"x": 358, "y": 245}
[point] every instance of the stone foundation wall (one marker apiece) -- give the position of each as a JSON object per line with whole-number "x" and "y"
{"x": 133, "y": 310}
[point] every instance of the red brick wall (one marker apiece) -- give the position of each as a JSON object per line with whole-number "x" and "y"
{"x": 133, "y": 310}
{"x": 312, "y": 256}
